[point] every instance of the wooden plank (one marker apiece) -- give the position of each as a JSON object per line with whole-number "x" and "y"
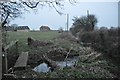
{"x": 22, "y": 60}
{"x": 9, "y": 76}
{"x": 11, "y": 44}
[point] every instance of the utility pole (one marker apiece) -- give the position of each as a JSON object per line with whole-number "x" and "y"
{"x": 67, "y": 21}
{"x": 119, "y": 14}
{"x": 87, "y": 13}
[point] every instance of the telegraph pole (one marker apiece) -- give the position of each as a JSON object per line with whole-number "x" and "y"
{"x": 67, "y": 21}
{"x": 87, "y": 12}
{"x": 119, "y": 14}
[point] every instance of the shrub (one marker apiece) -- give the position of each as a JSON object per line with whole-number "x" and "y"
{"x": 105, "y": 41}
{"x": 67, "y": 36}
{"x": 60, "y": 30}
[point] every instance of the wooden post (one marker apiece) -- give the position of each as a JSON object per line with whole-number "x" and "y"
{"x": 6, "y": 62}
{"x": 6, "y": 51}
{"x": 0, "y": 51}
{"x": 16, "y": 47}
{"x": 3, "y": 63}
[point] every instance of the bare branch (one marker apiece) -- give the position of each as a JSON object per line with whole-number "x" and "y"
{"x": 72, "y": 2}
{"x": 30, "y": 5}
{"x": 57, "y": 10}
{"x": 15, "y": 9}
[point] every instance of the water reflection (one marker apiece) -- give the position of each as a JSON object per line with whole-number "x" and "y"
{"x": 69, "y": 62}
{"x": 45, "y": 68}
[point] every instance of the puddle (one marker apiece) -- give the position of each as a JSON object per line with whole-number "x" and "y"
{"x": 69, "y": 62}
{"x": 45, "y": 68}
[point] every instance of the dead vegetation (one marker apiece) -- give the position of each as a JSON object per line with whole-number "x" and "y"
{"x": 91, "y": 64}
{"x": 67, "y": 36}
{"x": 37, "y": 43}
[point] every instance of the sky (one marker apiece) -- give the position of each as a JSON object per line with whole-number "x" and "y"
{"x": 106, "y": 13}
{"x": 119, "y": 14}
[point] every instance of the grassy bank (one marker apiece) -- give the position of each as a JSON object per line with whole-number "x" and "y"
{"x": 22, "y": 37}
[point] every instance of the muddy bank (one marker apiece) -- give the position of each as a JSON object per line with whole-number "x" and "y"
{"x": 45, "y": 67}
{"x": 54, "y": 58}
{"x": 59, "y": 54}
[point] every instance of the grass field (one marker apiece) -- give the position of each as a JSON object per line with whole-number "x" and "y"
{"x": 22, "y": 37}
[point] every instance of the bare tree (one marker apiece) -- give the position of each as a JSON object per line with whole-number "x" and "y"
{"x": 10, "y": 9}
{"x": 84, "y": 23}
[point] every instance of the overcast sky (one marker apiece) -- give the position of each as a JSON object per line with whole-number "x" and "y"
{"x": 106, "y": 13}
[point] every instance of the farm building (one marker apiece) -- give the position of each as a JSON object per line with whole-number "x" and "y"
{"x": 19, "y": 28}
{"x": 44, "y": 28}
{"x": 9, "y": 28}
{"x": 23, "y": 28}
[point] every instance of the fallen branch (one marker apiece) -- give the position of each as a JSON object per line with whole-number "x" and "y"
{"x": 67, "y": 56}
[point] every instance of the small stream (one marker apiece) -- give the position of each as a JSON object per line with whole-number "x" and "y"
{"x": 70, "y": 62}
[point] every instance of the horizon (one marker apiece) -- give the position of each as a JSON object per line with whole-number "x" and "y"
{"x": 106, "y": 13}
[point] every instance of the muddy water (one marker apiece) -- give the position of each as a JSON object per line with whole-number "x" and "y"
{"x": 43, "y": 67}
{"x": 70, "y": 62}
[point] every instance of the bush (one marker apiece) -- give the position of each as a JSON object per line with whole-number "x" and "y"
{"x": 86, "y": 37}
{"x": 105, "y": 41}
{"x": 67, "y": 36}
{"x": 60, "y": 30}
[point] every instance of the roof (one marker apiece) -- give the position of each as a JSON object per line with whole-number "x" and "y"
{"x": 11, "y": 28}
{"x": 44, "y": 28}
{"x": 23, "y": 28}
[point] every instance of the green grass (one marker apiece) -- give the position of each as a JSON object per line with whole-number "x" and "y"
{"x": 36, "y": 35}
{"x": 22, "y": 37}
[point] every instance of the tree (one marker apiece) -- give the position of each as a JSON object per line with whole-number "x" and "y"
{"x": 14, "y": 25}
{"x": 92, "y": 21}
{"x": 84, "y": 23}
{"x": 60, "y": 30}
{"x": 10, "y": 9}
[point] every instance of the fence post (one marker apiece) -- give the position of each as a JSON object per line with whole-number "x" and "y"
{"x": 5, "y": 57}
{"x": 3, "y": 63}
{"x": 16, "y": 47}
{"x": 6, "y": 62}
{"x": 0, "y": 51}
